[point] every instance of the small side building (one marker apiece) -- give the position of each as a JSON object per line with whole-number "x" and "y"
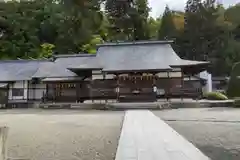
{"x": 69, "y": 77}
{"x": 18, "y": 86}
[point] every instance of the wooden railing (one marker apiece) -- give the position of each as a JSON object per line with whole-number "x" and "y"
{"x": 183, "y": 92}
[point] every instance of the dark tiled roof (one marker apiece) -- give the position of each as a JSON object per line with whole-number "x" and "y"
{"x": 82, "y": 61}
{"x": 156, "y": 55}
{"x": 60, "y": 67}
{"x": 126, "y": 56}
{"x": 14, "y": 70}
{"x": 52, "y": 69}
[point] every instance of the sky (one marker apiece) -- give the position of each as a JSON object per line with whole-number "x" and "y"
{"x": 159, "y": 5}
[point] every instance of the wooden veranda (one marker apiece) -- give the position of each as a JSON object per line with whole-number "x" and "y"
{"x": 122, "y": 88}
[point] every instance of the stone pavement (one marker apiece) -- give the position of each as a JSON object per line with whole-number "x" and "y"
{"x": 146, "y": 137}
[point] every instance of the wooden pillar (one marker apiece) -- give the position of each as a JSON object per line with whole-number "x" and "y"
{"x": 105, "y": 97}
{"x": 55, "y": 91}
{"x": 154, "y": 85}
{"x": 154, "y": 78}
{"x": 7, "y": 98}
{"x": 182, "y": 82}
{"x": 118, "y": 88}
{"x": 168, "y": 87}
{"x": 3, "y": 143}
{"x": 23, "y": 97}
{"x": 47, "y": 88}
{"x": 28, "y": 90}
{"x": 77, "y": 88}
{"x": 90, "y": 90}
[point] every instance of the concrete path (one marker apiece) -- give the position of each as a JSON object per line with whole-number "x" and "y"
{"x": 146, "y": 137}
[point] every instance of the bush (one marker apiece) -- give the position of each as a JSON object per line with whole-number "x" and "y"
{"x": 234, "y": 82}
{"x": 215, "y": 96}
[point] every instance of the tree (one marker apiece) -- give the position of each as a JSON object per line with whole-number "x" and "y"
{"x": 153, "y": 26}
{"x": 47, "y": 50}
{"x": 80, "y": 21}
{"x": 92, "y": 46}
{"x": 167, "y": 28}
{"x": 139, "y": 18}
{"x": 118, "y": 14}
{"x": 203, "y": 38}
{"x": 128, "y": 19}
{"x": 28, "y": 24}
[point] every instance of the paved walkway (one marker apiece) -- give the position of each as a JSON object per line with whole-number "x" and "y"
{"x": 146, "y": 137}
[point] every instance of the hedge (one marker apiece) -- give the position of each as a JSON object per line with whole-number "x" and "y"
{"x": 215, "y": 96}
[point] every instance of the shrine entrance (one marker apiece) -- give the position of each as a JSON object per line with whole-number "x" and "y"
{"x": 136, "y": 88}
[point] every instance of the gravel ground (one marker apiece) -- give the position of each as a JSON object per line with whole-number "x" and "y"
{"x": 62, "y": 134}
{"x": 215, "y": 131}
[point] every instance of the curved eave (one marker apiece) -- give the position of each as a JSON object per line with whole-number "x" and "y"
{"x": 188, "y": 63}
{"x": 194, "y": 68}
{"x": 137, "y": 70}
{"x": 84, "y": 69}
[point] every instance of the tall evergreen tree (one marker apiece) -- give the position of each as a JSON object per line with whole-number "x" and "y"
{"x": 167, "y": 28}
{"x": 117, "y": 12}
{"x": 202, "y": 33}
{"x": 82, "y": 19}
{"x": 128, "y": 19}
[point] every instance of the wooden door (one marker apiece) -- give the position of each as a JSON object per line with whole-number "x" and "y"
{"x": 136, "y": 89}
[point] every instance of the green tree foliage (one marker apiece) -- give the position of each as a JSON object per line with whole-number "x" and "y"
{"x": 92, "y": 45}
{"x": 203, "y": 38}
{"x": 28, "y": 24}
{"x": 231, "y": 14}
{"x": 234, "y": 82}
{"x": 46, "y": 50}
{"x": 38, "y": 28}
{"x": 128, "y": 19}
{"x": 153, "y": 26}
{"x": 79, "y": 22}
{"x": 167, "y": 28}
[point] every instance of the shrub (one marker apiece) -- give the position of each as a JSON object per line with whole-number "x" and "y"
{"x": 234, "y": 82}
{"x": 215, "y": 96}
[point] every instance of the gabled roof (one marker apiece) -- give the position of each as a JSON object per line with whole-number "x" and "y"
{"x": 52, "y": 69}
{"x": 64, "y": 63}
{"x": 79, "y": 61}
{"x": 14, "y": 70}
{"x": 140, "y": 56}
{"x": 111, "y": 57}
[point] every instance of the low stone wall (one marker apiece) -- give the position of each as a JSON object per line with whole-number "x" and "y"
{"x": 201, "y": 104}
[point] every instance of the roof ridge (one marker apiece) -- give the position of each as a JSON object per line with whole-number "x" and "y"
{"x": 25, "y": 60}
{"x": 134, "y": 43}
{"x": 74, "y": 55}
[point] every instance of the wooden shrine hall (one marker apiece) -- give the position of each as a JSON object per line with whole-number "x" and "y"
{"x": 126, "y": 71}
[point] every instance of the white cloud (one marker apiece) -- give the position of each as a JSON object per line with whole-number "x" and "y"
{"x": 159, "y": 5}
